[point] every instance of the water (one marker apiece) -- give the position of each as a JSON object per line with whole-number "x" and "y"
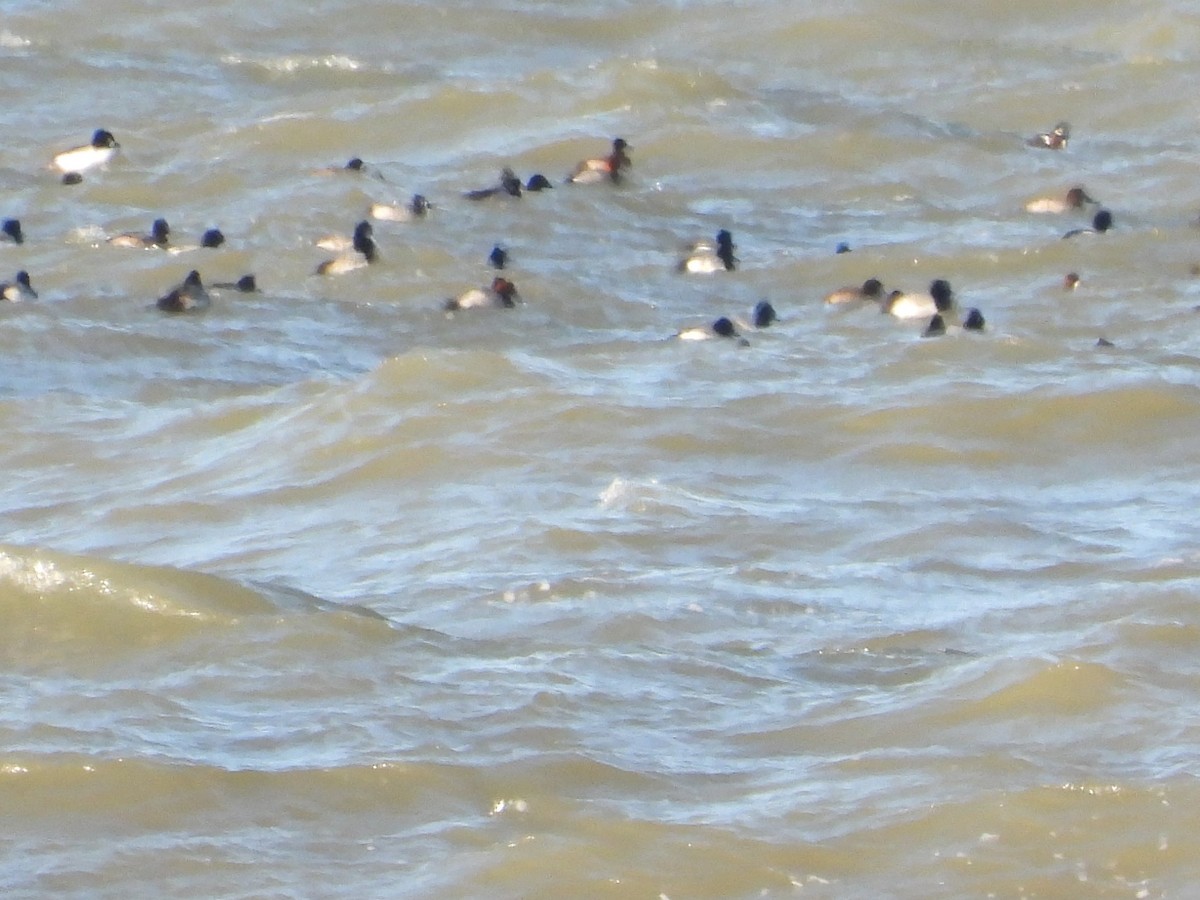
{"x": 325, "y": 593}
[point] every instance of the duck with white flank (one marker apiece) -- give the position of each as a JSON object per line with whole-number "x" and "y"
{"x": 940, "y": 299}
{"x": 362, "y": 252}
{"x": 414, "y": 209}
{"x": 705, "y": 257}
{"x": 90, "y": 156}
{"x": 500, "y": 294}
{"x": 604, "y": 168}
{"x": 19, "y": 289}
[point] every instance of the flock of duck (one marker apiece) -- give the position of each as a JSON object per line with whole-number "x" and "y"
{"x": 937, "y": 306}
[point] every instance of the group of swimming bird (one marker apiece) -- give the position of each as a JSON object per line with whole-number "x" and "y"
{"x": 937, "y": 306}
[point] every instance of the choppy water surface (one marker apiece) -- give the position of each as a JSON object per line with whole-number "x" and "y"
{"x": 325, "y": 593}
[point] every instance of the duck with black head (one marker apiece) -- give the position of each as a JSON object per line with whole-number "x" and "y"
{"x": 603, "y": 168}
{"x": 99, "y": 152}
{"x": 19, "y": 289}
{"x": 363, "y": 251}
{"x": 188, "y": 296}
{"x": 157, "y": 239}
{"x": 705, "y": 257}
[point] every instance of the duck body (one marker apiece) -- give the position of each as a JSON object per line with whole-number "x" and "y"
{"x": 411, "y": 211}
{"x": 1056, "y": 139}
{"x": 940, "y": 299}
{"x": 871, "y": 289}
{"x": 189, "y": 296}
{"x": 160, "y": 233}
{"x": 1075, "y": 198}
{"x": 706, "y": 257}
{"x": 500, "y": 294}
{"x": 362, "y": 252}
{"x": 19, "y": 289}
{"x": 606, "y": 168}
{"x": 90, "y": 156}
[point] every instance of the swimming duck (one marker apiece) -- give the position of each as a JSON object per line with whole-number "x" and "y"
{"x": 18, "y": 289}
{"x": 608, "y": 167}
{"x": 940, "y": 299}
{"x": 11, "y": 231}
{"x": 501, "y": 294}
{"x": 705, "y": 257}
{"x": 762, "y": 316}
{"x": 719, "y": 328}
{"x": 1052, "y": 140}
{"x": 1101, "y": 222}
{"x": 210, "y": 240}
{"x": 509, "y": 186}
{"x": 537, "y": 183}
{"x": 246, "y": 285}
{"x": 189, "y": 296}
{"x": 160, "y": 233}
{"x": 1071, "y": 281}
{"x": 1075, "y": 198}
{"x": 363, "y": 251}
{"x": 79, "y": 159}
{"x": 871, "y": 289}
{"x": 414, "y": 209}
{"x": 498, "y": 258}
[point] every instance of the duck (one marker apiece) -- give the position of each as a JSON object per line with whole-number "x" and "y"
{"x": 363, "y": 251}
{"x": 188, "y": 296}
{"x": 871, "y": 289}
{"x": 591, "y": 171}
{"x": 209, "y": 240}
{"x": 718, "y": 328}
{"x": 509, "y": 186}
{"x": 1075, "y": 198}
{"x": 246, "y": 285}
{"x": 18, "y": 289}
{"x": 1052, "y": 140}
{"x": 937, "y": 326}
{"x": 10, "y": 230}
{"x": 500, "y": 294}
{"x": 1101, "y": 222}
{"x": 160, "y": 233}
{"x": 416, "y": 208}
{"x": 1071, "y": 281}
{"x": 940, "y": 299}
{"x": 90, "y": 156}
{"x": 537, "y": 183}
{"x": 705, "y": 257}
{"x": 762, "y": 316}
{"x": 498, "y": 258}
